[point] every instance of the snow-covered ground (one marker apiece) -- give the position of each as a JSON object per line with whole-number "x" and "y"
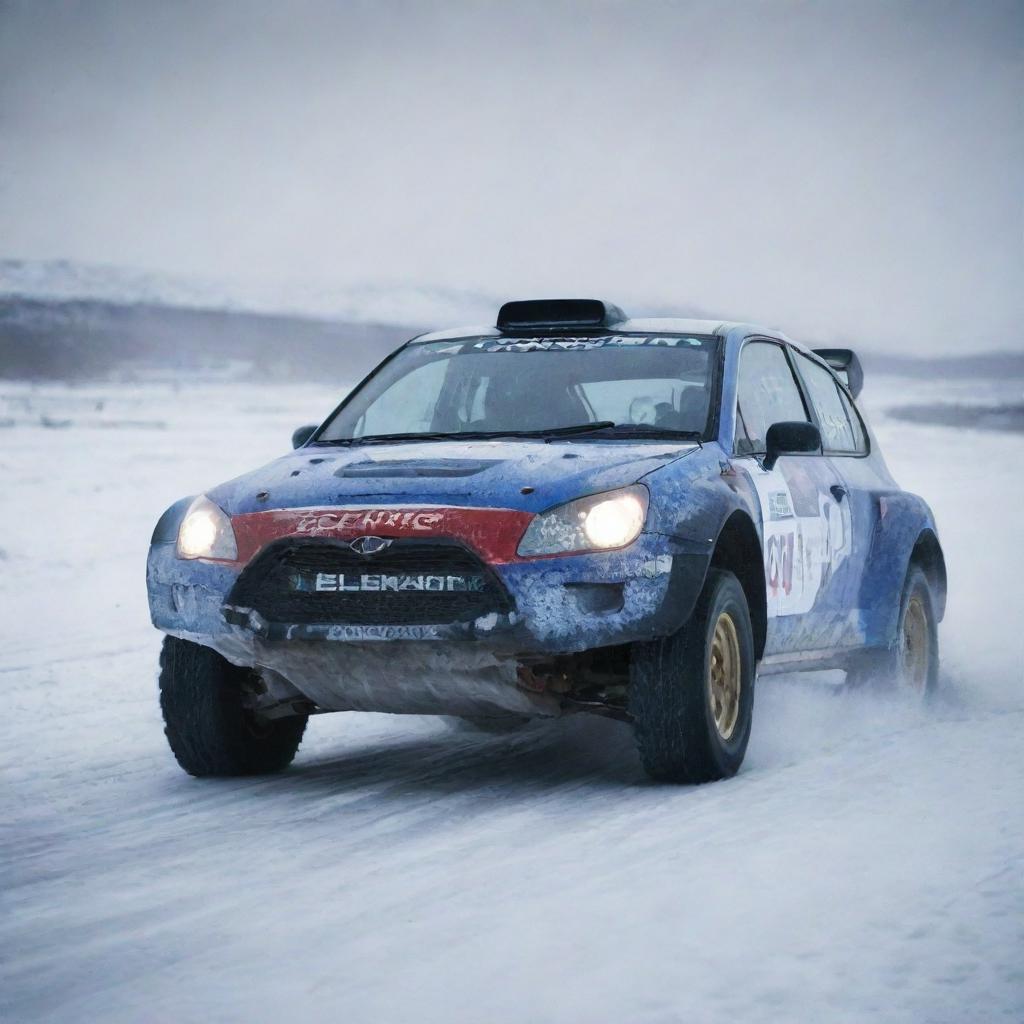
{"x": 867, "y": 864}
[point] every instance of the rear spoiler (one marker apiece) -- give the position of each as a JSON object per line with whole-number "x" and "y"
{"x": 846, "y": 364}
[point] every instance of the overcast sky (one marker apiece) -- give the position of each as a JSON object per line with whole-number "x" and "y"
{"x": 840, "y": 169}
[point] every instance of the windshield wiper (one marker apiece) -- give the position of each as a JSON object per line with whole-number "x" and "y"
{"x": 470, "y": 435}
{"x": 605, "y": 427}
{"x": 579, "y": 428}
{"x": 653, "y": 430}
{"x": 387, "y": 438}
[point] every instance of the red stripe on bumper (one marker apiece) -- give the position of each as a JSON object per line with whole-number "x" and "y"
{"x": 493, "y": 533}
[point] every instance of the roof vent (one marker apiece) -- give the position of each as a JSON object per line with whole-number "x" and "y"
{"x": 559, "y": 315}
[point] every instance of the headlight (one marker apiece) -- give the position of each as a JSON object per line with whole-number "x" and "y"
{"x": 206, "y": 532}
{"x": 598, "y": 522}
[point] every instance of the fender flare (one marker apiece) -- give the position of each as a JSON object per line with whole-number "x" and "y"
{"x": 904, "y": 531}
{"x": 735, "y": 547}
{"x": 166, "y": 529}
{"x": 738, "y": 549}
{"x": 927, "y": 553}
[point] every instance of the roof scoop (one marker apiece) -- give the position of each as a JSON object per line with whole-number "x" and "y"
{"x": 559, "y": 315}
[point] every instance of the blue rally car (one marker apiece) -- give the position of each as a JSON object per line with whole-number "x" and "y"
{"x": 570, "y": 511}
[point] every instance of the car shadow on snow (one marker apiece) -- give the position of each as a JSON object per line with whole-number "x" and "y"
{"x": 432, "y": 755}
{"x": 797, "y": 718}
{"x": 353, "y": 754}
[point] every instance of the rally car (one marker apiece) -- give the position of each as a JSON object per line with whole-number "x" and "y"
{"x": 570, "y": 511}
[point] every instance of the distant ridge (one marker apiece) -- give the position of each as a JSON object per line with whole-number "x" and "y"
{"x": 396, "y": 303}
{"x": 89, "y": 339}
{"x": 60, "y": 319}
{"x": 65, "y": 320}
{"x": 981, "y": 365}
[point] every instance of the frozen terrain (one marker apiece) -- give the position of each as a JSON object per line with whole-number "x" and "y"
{"x": 867, "y": 864}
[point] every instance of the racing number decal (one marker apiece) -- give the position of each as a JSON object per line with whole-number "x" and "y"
{"x": 778, "y": 562}
{"x": 806, "y": 536}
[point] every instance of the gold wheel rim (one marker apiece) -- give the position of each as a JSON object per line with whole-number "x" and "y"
{"x": 724, "y": 676}
{"x": 915, "y": 654}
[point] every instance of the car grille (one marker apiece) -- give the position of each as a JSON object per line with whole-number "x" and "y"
{"x": 409, "y": 583}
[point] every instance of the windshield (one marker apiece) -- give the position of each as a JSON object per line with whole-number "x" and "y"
{"x": 619, "y": 384}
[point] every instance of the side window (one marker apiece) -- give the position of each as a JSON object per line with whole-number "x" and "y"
{"x": 839, "y": 425}
{"x": 860, "y": 436}
{"x": 767, "y": 393}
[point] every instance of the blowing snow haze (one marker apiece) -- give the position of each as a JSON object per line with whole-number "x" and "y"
{"x": 843, "y": 171}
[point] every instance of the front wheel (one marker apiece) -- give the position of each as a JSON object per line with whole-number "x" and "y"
{"x": 210, "y": 729}
{"x": 691, "y": 695}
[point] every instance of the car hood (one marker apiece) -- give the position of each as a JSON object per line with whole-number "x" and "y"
{"x": 527, "y": 475}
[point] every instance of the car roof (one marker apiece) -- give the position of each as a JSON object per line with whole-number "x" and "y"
{"x": 640, "y": 325}
{"x": 633, "y": 325}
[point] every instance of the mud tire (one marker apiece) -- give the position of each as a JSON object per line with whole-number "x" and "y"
{"x": 670, "y": 696}
{"x": 208, "y": 727}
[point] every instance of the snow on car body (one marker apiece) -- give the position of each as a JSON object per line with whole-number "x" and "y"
{"x": 569, "y": 511}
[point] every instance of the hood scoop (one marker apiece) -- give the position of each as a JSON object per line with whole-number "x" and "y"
{"x": 419, "y": 469}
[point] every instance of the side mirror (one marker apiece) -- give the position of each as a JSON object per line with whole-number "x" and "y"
{"x": 791, "y": 438}
{"x": 302, "y": 435}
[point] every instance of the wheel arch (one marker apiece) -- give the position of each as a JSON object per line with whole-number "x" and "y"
{"x": 738, "y": 550}
{"x": 927, "y": 553}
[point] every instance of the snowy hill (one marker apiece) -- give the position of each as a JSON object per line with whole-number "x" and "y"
{"x": 92, "y": 339}
{"x": 73, "y": 321}
{"x": 402, "y": 304}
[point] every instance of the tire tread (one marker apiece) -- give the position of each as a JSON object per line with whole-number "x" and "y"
{"x": 204, "y": 718}
{"x": 667, "y": 698}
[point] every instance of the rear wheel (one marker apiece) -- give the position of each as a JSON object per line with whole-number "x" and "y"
{"x": 691, "y": 695}
{"x": 911, "y": 663}
{"x": 210, "y": 728}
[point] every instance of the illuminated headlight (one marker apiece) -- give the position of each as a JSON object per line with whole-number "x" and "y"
{"x": 596, "y": 523}
{"x": 206, "y": 532}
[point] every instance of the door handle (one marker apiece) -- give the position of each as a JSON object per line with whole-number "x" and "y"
{"x": 838, "y": 491}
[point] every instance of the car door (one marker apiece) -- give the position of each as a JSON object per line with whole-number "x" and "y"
{"x": 844, "y": 446}
{"x": 805, "y": 521}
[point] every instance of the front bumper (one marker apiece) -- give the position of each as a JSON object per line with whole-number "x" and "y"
{"x": 561, "y": 605}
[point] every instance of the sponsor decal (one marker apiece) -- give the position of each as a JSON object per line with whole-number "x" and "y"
{"x": 493, "y": 533}
{"x": 380, "y": 582}
{"x": 807, "y": 533}
{"x": 345, "y": 632}
{"x": 370, "y": 519}
{"x": 779, "y": 505}
{"x": 577, "y": 344}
